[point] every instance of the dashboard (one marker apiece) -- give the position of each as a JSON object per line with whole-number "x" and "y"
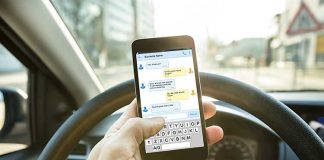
{"x": 233, "y": 147}
{"x": 246, "y": 137}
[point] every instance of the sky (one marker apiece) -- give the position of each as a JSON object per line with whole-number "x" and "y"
{"x": 224, "y": 20}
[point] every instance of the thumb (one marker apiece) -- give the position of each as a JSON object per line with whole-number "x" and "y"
{"x": 142, "y": 128}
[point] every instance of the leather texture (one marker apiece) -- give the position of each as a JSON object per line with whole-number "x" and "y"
{"x": 287, "y": 124}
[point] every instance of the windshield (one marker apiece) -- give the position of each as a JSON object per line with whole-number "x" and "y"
{"x": 276, "y": 45}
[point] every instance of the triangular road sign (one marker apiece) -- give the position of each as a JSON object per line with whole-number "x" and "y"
{"x": 303, "y": 22}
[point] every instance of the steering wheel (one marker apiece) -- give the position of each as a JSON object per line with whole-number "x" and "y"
{"x": 287, "y": 124}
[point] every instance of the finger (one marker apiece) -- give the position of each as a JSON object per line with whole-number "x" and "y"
{"x": 130, "y": 112}
{"x": 137, "y": 154}
{"x": 95, "y": 152}
{"x": 214, "y": 134}
{"x": 140, "y": 129}
{"x": 209, "y": 109}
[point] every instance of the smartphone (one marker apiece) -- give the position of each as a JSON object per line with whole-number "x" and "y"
{"x": 167, "y": 85}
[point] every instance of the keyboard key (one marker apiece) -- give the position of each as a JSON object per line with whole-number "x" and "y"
{"x": 175, "y": 125}
{"x": 170, "y": 126}
{"x": 172, "y": 140}
{"x": 181, "y": 125}
{"x": 155, "y": 141}
{"x": 187, "y": 124}
{"x": 156, "y": 148}
{"x": 166, "y": 140}
{"x": 177, "y": 139}
{"x": 196, "y": 130}
{"x": 193, "y": 114}
{"x": 148, "y": 142}
{"x": 185, "y": 131}
{"x": 179, "y": 131}
{"x": 176, "y": 145}
{"x": 161, "y": 140}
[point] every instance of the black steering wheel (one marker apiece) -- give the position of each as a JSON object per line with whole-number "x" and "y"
{"x": 287, "y": 124}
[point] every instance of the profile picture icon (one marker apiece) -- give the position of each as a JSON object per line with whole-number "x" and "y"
{"x": 142, "y": 86}
{"x": 190, "y": 70}
{"x": 140, "y": 67}
{"x": 145, "y": 109}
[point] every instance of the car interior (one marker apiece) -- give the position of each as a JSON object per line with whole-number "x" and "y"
{"x": 66, "y": 72}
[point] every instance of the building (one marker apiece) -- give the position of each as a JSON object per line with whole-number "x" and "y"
{"x": 247, "y": 52}
{"x": 300, "y": 36}
{"x": 106, "y": 28}
{"x": 124, "y": 21}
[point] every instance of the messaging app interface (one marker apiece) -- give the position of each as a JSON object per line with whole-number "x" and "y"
{"x": 168, "y": 89}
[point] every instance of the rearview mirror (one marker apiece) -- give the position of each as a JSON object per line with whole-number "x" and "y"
{"x": 12, "y": 108}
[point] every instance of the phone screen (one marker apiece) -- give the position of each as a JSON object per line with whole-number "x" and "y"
{"x": 168, "y": 88}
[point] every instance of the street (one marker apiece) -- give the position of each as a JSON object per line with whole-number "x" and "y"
{"x": 266, "y": 78}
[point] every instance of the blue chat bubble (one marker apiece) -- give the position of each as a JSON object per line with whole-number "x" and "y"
{"x": 165, "y": 107}
{"x": 161, "y": 85}
{"x": 157, "y": 64}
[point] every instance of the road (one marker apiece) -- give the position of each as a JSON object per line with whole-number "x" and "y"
{"x": 266, "y": 78}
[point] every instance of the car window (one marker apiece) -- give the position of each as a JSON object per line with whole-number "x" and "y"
{"x": 14, "y": 77}
{"x": 276, "y": 45}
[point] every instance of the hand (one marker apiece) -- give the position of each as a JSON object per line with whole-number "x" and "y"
{"x": 123, "y": 138}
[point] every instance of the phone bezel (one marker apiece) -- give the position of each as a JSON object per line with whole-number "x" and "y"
{"x": 143, "y": 46}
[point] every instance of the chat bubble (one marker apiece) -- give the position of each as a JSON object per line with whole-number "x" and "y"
{"x": 175, "y": 95}
{"x": 161, "y": 85}
{"x": 174, "y": 72}
{"x": 165, "y": 107}
{"x": 157, "y": 64}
